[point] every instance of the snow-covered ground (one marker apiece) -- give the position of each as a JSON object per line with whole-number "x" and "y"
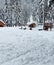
{"x": 26, "y": 47}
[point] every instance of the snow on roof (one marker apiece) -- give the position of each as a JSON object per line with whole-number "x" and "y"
{"x": 48, "y": 21}
{"x": 31, "y": 22}
{"x": 2, "y": 21}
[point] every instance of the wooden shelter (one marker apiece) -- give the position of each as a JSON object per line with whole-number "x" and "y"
{"x": 48, "y": 25}
{"x": 32, "y": 25}
{"x": 2, "y": 24}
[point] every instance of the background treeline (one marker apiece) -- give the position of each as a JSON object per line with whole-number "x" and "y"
{"x": 18, "y": 12}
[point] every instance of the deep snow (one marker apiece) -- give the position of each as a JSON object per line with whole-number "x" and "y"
{"x": 26, "y": 47}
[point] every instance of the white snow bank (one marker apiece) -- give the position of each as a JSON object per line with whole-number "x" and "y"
{"x": 26, "y": 47}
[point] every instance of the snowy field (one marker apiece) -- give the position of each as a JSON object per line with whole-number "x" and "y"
{"x": 26, "y": 47}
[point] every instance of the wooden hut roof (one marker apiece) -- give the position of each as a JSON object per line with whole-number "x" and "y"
{"x": 2, "y": 21}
